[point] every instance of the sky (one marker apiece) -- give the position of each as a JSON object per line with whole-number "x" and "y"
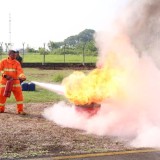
{"x": 35, "y": 22}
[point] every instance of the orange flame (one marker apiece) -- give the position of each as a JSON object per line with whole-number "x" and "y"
{"x": 96, "y": 86}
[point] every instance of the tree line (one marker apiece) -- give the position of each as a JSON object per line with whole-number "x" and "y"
{"x": 77, "y": 44}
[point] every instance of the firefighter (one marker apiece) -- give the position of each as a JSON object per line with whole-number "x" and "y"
{"x": 11, "y": 69}
{"x": 19, "y": 58}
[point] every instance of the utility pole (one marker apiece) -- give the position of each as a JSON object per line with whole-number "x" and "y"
{"x": 23, "y": 50}
{"x": 6, "y": 47}
{"x": 64, "y": 53}
{"x": 84, "y": 53}
{"x": 44, "y": 55}
{"x": 10, "y": 42}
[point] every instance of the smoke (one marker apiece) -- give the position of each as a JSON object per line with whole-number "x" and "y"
{"x": 133, "y": 45}
{"x": 142, "y": 22}
{"x": 134, "y": 115}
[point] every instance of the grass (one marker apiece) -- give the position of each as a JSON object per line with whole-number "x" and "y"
{"x": 52, "y": 58}
{"x": 40, "y": 94}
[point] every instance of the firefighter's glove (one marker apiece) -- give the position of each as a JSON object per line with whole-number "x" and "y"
{"x": 22, "y": 77}
{"x": 7, "y": 77}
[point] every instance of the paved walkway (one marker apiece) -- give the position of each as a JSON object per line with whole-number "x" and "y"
{"x": 146, "y": 154}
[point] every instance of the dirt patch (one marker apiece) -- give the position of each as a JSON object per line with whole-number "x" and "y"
{"x": 32, "y": 135}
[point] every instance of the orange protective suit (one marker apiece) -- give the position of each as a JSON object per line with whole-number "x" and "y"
{"x": 13, "y": 69}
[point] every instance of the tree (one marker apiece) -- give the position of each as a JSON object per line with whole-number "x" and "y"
{"x": 71, "y": 41}
{"x": 91, "y": 46}
{"x": 86, "y": 35}
{"x": 82, "y": 37}
{"x": 54, "y": 45}
{"x": 75, "y": 43}
{"x": 30, "y": 50}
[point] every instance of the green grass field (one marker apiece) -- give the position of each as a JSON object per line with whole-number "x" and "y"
{"x": 50, "y": 58}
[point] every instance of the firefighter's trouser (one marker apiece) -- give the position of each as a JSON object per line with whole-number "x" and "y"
{"x": 17, "y": 91}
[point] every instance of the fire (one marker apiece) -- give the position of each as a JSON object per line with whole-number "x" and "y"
{"x": 96, "y": 86}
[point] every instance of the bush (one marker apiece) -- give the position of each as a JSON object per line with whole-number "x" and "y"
{"x": 58, "y": 78}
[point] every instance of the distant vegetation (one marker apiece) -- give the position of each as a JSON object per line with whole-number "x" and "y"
{"x": 82, "y": 43}
{"x": 77, "y": 44}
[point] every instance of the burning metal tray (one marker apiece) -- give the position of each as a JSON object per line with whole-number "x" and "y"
{"x": 91, "y": 109}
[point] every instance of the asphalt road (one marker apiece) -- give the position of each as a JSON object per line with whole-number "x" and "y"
{"x": 150, "y": 154}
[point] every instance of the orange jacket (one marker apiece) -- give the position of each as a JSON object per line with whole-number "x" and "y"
{"x": 11, "y": 68}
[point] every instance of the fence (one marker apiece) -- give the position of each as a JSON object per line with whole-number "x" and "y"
{"x": 54, "y": 58}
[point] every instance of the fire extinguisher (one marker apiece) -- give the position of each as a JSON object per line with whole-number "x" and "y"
{"x": 8, "y": 88}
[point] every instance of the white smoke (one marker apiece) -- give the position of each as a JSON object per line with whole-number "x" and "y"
{"x": 136, "y": 115}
